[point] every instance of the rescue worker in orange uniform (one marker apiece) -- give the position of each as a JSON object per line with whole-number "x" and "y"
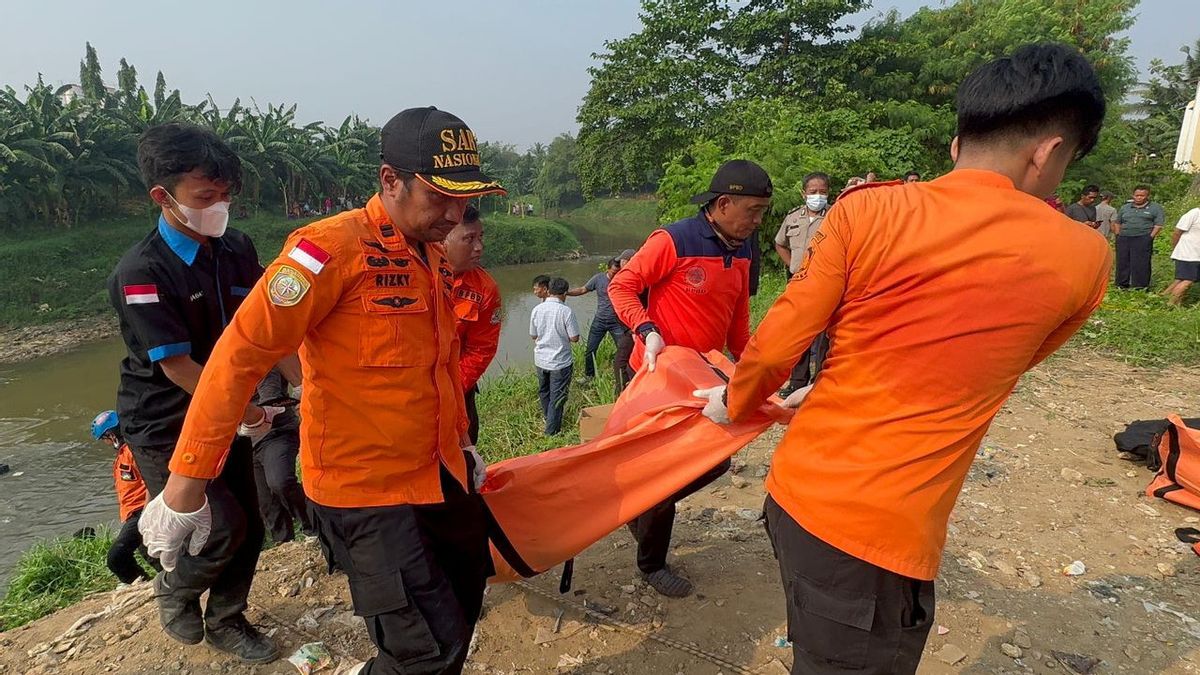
{"x": 131, "y": 499}
{"x": 477, "y": 307}
{"x": 938, "y": 295}
{"x": 366, "y": 296}
{"x": 696, "y": 276}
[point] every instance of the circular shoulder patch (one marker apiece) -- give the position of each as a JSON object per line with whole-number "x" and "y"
{"x": 287, "y": 286}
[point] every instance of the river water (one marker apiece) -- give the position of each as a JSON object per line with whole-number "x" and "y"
{"x": 60, "y": 480}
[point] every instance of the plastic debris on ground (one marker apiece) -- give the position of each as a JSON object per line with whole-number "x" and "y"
{"x": 311, "y": 658}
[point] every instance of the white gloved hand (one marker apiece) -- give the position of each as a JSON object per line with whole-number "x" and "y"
{"x": 715, "y": 409}
{"x": 256, "y": 432}
{"x": 479, "y": 474}
{"x": 296, "y": 391}
{"x": 164, "y": 531}
{"x": 795, "y": 398}
{"x": 654, "y": 345}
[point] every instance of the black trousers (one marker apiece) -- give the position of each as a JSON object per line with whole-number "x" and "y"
{"x": 121, "y": 559}
{"x": 622, "y": 373}
{"x": 1133, "y": 261}
{"x": 472, "y": 413}
{"x": 417, "y": 574}
{"x": 596, "y": 333}
{"x": 281, "y": 500}
{"x": 225, "y": 566}
{"x": 652, "y": 529}
{"x": 809, "y": 365}
{"x": 844, "y": 614}
{"x": 553, "y": 386}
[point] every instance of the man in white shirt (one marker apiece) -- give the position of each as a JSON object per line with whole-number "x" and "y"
{"x": 553, "y": 328}
{"x": 1186, "y": 254}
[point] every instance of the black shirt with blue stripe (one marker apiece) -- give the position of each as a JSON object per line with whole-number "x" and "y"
{"x": 173, "y": 296}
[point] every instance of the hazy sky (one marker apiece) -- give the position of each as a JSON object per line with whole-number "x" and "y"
{"x": 515, "y": 71}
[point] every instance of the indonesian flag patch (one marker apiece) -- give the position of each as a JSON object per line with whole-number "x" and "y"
{"x": 310, "y": 256}
{"x": 141, "y": 294}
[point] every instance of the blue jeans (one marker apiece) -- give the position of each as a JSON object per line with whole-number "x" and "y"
{"x": 552, "y": 394}
{"x": 600, "y": 328}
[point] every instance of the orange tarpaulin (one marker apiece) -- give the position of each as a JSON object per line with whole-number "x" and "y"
{"x": 553, "y": 505}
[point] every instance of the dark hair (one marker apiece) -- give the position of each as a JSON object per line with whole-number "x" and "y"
{"x": 542, "y": 280}
{"x": 471, "y": 215}
{"x": 1142, "y": 187}
{"x": 168, "y": 151}
{"x": 612, "y": 262}
{"x": 814, "y": 176}
{"x": 1089, "y": 189}
{"x": 912, "y": 173}
{"x": 559, "y": 286}
{"x": 1040, "y": 87}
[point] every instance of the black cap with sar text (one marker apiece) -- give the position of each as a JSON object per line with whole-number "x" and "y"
{"x": 439, "y": 148}
{"x": 737, "y": 177}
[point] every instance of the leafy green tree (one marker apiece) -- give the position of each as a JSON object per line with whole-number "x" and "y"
{"x": 557, "y": 184}
{"x": 90, "y": 79}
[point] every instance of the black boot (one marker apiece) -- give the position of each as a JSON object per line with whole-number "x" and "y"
{"x": 240, "y": 638}
{"x": 668, "y": 583}
{"x": 180, "y": 619}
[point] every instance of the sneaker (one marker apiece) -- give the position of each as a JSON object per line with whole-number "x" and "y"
{"x": 240, "y": 638}
{"x": 668, "y": 583}
{"x": 180, "y": 619}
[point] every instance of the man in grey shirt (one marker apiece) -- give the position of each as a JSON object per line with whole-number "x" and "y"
{"x": 605, "y": 321}
{"x": 1106, "y": 213}
{"x": 1138, "y": 223}
{"x": 1084, "y": 210}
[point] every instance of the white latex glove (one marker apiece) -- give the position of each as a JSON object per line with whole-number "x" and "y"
{"x": 715, "y": 409}
{"x": 654, "y": 345}
{"x": 480, "y": 472}
{"x": 296, "y": 391}
{"x": 256, "y": 432}
{"x": 164, "y": 531}
{"x": 795, "y": 398}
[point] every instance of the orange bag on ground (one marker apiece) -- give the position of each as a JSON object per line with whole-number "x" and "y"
{"x": 1178, "y": 480}
{"x": 547, "y": 508}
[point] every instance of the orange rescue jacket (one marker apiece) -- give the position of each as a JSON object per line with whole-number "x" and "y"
{"x": 477, "y": 308}
{"x": 374, "y": 323}
{"x": 127, "y": 480}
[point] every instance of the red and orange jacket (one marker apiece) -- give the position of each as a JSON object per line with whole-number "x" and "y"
{"x": 698, "y": 290}
{"x": 127, "y": 480}
{"x": 477, "y": 308}
{"x": 373, "y": 319}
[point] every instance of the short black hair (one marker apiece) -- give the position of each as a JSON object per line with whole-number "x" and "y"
{"x": 168, "y": 151}
{"x": 814, "y": 176}
{"x": 471, "y": 215}
{"x": 1039, "y": 87}
{"x": 1142, "y": 187}
{"x": 559, "y": 286}
{"x": 542, "y": 280}
{"x": 1089, "y": 189}
{"x": 612, "y": 262}
{"x": 912, "y": 173}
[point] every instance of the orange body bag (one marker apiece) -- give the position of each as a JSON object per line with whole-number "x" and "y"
{"x": 1178, "y": 480}
{"x": 547, "y": 508}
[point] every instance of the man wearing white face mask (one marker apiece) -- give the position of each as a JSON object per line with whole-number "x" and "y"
{"x": 795, "y": 234}
{"x": 174, "y": 292}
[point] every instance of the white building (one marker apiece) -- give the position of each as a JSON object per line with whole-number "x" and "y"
{"x": 1187, "y": 153}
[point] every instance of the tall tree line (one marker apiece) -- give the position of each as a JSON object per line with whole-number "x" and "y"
{"x": 70, "y": 153}
{"x": 793, "y": 85}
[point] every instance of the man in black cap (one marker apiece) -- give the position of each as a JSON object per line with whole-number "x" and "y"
{"x": 696, "y": 276}
{"x": 366, "y": 297}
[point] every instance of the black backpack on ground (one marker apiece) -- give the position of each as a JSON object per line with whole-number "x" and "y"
{"x": 1141, "y": 437}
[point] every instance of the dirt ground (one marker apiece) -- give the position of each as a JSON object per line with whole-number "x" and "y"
{"x": 1046, "y": 489}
